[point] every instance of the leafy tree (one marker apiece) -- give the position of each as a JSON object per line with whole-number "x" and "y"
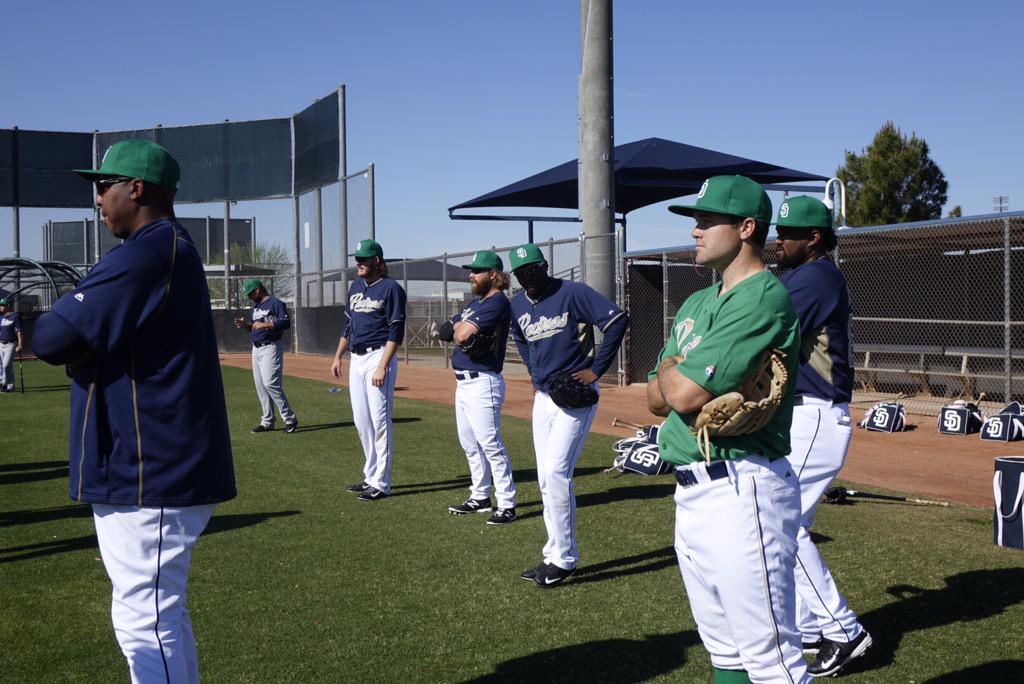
{"x": 265, "y": 255}
{"x": 955, "y": 212}
{"x": 892, "y": 181}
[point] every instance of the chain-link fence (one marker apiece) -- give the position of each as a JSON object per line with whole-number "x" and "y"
{"x": 934, "y": 311}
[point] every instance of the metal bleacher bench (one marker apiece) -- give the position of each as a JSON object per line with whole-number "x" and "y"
{"x": 919, "y": 369}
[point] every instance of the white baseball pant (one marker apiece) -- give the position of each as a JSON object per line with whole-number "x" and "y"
{"x": 268, "y": 375}
{"x": 478, "y": 404}
{"x": 558, "y": 437}
{"x": 735, "y": 539}
{"x": 7, "y": 364}
{"x": 147, "y": 552}
{"x": 819, "y": 439}
{"x": 371, "y": 412}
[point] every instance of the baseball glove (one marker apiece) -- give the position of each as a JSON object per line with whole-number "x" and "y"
{"x": 569, "y": 393}
{"x": 478, "y": 345}
{"x": 747, "y": 409}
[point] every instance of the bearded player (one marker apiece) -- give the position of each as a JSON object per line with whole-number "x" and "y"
{"x": 738, "y": 503}
{"x": 553, "y": 324}
{"x": 822, "y": 429}
{"x": 375, "y": 326}
{"x": 481, "y": 336}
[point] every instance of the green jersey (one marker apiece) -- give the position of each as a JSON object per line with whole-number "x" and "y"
{"x": 721, "y": 339}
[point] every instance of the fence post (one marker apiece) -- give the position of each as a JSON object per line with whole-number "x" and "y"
{"x": 583, "y": 257}
{"x": 444, "y": 299}
{"x": 664, "y": 298}
{"x": 619, "y": 271}
{"x": 405, "y": 284}
{"x": 551, "y": 256}
{"x": 1007, "y": 314}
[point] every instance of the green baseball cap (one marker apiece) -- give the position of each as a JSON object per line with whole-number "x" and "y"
{"x": 804, "y": 212}
{"x": 250, "y": 285}
{"x": 368, "y": 248}
{"x": 5, "y": 302}
{"x": 732, "y": 195}
{"x": 140, "y": 159}
{"x": 524, "y": 256}
{"x": 487, "y": 260}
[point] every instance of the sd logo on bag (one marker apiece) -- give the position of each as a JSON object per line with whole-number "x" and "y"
{"x": 960, "y": 418}
{"x": 884, "y": 417}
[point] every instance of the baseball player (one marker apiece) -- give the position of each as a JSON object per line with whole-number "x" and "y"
{"x": 269, "y": 321}
{"x": 149, "y": 444}
{"x": 737, "y": 503}
{"x": 10, "y": 344}
{"x": 821, "y": 428}
{"x": 481, "y": 335}
{"x": 374, "y": 327}
{"x": 553, "y": 327}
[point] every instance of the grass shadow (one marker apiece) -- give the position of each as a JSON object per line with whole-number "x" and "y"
{"x": 968, "y": 596}
{"x": 998, "y": 672}
{"x": 650, "y": 561}
{"x": 640, "y": 493}
{"x": 37, "y": 465}
{"x": 219, "y": 523}
{"x": 52, "y": 473}
{"x": 624, "y": 661}
{"x": 11, "y": 518}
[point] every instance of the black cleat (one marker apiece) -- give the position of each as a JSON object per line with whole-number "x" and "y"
{"x": 502, "y": 516}
{"x": 290, "y": 427}
{"x": 371, "y": 494}
{"x": 834, "y": 656}
{"x": 262, "y": 428}
{"x": 550, "y": 575}
{"x": 530, "y": 573}
{"x": 358, "y": 487}
{"x": 812, "y": 647}
{"x": 471, "y": 506}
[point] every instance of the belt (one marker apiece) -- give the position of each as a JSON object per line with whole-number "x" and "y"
{"x": 807, "y": 400}
{"x": 263, "y": 344}
{"x": 716, "y": 471}
{"x": 359, "y": 351}
{"x": 466, "y": 375}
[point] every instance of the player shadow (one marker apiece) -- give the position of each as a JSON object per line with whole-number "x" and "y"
{"x": 45, "y": 388}
{"x": 623, "y": 661}
{"x": 997, "y": 672}
{"x": 323, "y": 426}
{"x": 48, "y": 472}
{"x": 968, "y": 596}
{"x": 660, "y": 491}
{"x": 638, "y": 564}
{"x": 11, "y": 518}
{"x": 32, "y": 465}
{"x": 219, "y": 523}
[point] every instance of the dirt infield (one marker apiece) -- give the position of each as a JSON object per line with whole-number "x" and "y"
{"x": 920, "y": 461}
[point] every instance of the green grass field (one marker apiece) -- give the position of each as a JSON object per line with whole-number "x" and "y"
{"x": 296, "y": 581}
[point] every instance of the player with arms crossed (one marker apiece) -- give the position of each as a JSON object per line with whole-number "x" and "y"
{"x": 374, "y": 327}
{"x": 821, "y": 430}
{"x": 269, "y": 321}
{"x": 149, "y": 447}
{"x": 553, "y": 327}
{"x": 737, "y": 503}
{"x": 481, "y": 335}
{"x": 10, "y": 344}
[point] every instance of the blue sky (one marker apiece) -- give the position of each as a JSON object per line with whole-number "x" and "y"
{"x": 453, "y": 98}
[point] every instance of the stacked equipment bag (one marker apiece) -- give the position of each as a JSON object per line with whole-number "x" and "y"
{"x": 640, "y": 454}
{"x": 1008, "y": 491}
{"x": 885, "y": 417}
{"x": 1005, "y": 426}
{"x": 960, "y": 418}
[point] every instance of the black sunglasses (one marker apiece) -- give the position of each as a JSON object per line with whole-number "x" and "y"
{"x": 478, "y": 271}
{"x": 527, "y": 271}
{"x": 105, "y": 183}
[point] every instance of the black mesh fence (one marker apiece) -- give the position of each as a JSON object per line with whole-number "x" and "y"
{"x": 317, "y": 151}
{"x": 36, "y": 168}
{"x": 937, "y": 310}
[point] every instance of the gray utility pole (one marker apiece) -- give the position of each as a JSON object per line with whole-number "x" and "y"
{"x": 597, "y": 138}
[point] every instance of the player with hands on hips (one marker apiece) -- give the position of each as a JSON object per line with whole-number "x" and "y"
{"x": 822, "y": 428}
{"x": 10, "y": 344}
{"x": 149, "y": 447}
{"x": 553, "y": 324}
{"x": 737, "y": 502}
{"x": 480, "y": 333}
{"x": 269, "y": 321}
{"x": 374, "y": 327}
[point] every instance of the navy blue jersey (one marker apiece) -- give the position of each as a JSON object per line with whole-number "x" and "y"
{"x": 821, "y": 298}
{"x": 556, "y": 333}
{"x": 148, "y": 420}
{"x": 375, "y": 313}
{"x": 272, "y": 309}
{"x": 491, "y": 316}
{"x": 10, "y": 326}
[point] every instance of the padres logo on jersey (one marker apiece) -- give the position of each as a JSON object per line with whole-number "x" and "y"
{"x": 363, "y": 304}
{"x": 682, "y": 331}
{"x": 543, "y": 327}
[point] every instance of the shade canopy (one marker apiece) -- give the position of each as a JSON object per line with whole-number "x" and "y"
{"x": 646, "y": 172}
